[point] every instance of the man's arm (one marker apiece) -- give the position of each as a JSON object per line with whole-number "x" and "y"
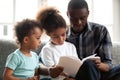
{"x": 102, "y": 66}
{"x": 104, "y": 51}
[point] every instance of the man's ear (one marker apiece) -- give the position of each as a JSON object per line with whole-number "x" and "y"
{"x": 88, "y": 12}
{"x": 25, "y": 40}
{"x": 68, "y": 14}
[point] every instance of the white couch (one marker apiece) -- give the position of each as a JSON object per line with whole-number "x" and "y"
{"x": 116, "y": 53}
{"x": 7, "y": 46}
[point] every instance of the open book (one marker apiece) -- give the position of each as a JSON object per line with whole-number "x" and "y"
{"x": 72, "y": 64}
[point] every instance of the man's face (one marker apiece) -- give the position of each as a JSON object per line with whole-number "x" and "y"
{"x": 78, "y": 18}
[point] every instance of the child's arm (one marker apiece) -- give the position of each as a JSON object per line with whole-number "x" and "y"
{"x": 56, "y": 71}
{"x": 52, "y": 71}
{"x": 37, "y": 73}
{"x": 69, "y": 78}
{"x": 8, "y": 75}
{"x": 43, "y": 70}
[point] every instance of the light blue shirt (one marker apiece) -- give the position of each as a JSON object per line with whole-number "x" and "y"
{"x": 22, "y": 65}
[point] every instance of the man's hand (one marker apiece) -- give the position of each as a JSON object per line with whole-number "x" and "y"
{"x": 55, "y": 71}
{"x": 100, "y": 65}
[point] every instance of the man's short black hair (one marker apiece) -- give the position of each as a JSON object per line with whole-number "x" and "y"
{"x": 77, "y": 4}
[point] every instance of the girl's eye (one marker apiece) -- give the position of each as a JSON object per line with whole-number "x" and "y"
{"x": 63, "y": 34}
{"x": 38, "y": 38}
{"x": 55, "y": 37}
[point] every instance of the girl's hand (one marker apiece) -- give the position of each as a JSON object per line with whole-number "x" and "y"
{"x": 64, "y": 74}
{"x": 55, "y": 71}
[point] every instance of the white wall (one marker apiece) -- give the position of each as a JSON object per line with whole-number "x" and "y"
{"x": 116, "y": 19}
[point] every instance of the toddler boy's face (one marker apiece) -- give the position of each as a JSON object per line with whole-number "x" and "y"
{"x": 34, "y": 39}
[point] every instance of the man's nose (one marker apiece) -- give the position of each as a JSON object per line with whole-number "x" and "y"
{"x": 79, "y": 21}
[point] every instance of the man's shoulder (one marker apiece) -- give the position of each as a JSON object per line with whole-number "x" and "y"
{"x": 96, "y": 26}
{"x": 93, "y": 24}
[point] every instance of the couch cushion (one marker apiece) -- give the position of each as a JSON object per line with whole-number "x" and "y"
{"x": 6, "y": 47}
{"x": 116, "y": 53}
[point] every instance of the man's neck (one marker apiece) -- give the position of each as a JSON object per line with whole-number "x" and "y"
{"x": 78, "y": 32}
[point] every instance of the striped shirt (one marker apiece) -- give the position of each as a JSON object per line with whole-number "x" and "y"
{"x": 95, "y": 39}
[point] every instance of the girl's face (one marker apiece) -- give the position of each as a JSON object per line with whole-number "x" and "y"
{"x": 34, "y": 39}
{"x": 58, "y": 36}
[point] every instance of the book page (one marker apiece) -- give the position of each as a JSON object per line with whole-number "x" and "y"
{"x": 92, "y": 57}
{"x": 71, "y": 64}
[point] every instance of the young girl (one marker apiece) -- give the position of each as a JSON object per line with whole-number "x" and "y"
{"x": 55, "y": 27}
{"x": 22, "y": 63}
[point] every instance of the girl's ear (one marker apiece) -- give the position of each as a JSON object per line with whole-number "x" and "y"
{"x": 25, "y": 40}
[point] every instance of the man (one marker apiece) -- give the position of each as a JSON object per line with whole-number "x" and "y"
{"x": 90, "y": 38}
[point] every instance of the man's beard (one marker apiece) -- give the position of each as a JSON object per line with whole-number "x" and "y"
{"x": 77, "y": 29}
